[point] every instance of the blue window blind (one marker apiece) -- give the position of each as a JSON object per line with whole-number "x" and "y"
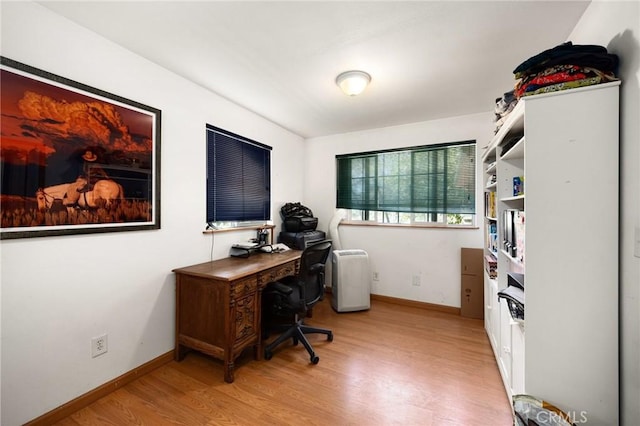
{"x": 424, "y": 179}
{"x": 238, "y": 178}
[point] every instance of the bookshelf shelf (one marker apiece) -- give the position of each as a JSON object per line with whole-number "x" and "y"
{"x": 512, "y": 259}
{"x": 514, "y": 198}
{"x": 568, "y": 270}
{"x": 516, "y": 152}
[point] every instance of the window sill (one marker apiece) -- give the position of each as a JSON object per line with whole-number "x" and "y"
{"x": 414, "y": 225}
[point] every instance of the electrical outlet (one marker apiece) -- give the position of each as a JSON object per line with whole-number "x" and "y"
{"x": 376, "y": 277}
{"x": 636, "y": 245}
{"x": 415, "y": 280}
{"x": 98, "y": 345}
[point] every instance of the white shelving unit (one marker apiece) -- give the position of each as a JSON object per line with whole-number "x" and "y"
{"x": 566, "y": 351}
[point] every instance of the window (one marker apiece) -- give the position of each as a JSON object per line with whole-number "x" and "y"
{"x": 423, "y": 184}
{"x": 238, "y": 179}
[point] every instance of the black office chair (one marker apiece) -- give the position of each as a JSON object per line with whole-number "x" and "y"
{"x": 293, "y": 297}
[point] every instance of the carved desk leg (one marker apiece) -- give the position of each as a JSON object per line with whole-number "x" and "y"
{"x": 228, "y": 371}
{"x": 230, "y": 326}
{"x": 258, "y": 348}
{"x": 180, "y": 352}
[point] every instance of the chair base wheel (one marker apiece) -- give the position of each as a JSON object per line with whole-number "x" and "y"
{"x": 315, "y": 359}
{"x": 268, "y": 355}
{"x": 330, "y": 337}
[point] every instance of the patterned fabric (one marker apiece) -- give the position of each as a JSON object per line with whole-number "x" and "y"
{"x": 558, "y": 76}
{"x": 570, "y": 85}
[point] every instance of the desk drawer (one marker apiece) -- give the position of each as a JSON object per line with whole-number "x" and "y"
{"x": 246, "y": 318}
{"x": 277, "y": 273}
{"x": 244, "y": 286}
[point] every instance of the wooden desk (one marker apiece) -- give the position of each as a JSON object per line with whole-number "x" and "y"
{"x": 218, "y": 304}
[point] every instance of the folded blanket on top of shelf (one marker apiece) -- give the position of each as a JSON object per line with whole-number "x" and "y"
{"x": 566, "y": 66}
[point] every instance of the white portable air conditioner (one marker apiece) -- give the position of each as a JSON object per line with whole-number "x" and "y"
{"x": 351, "y": 281}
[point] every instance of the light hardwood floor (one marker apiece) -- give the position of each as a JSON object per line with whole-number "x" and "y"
{"x": 391, "y": 365}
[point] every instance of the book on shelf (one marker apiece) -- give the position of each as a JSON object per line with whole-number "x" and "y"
{"x": 518, "y": 186}
{"x": 494, "y": 242}
{"x": 490, "y": 204}
{"x": 491, "y": 266}
{"x": 492, "y": 236}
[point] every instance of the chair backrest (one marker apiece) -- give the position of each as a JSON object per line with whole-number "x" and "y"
{"x": 311, "y": 274}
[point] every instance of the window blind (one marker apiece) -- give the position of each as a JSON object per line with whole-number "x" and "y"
{"x": 424, "y": 179}
{"x": 238, "y": 178}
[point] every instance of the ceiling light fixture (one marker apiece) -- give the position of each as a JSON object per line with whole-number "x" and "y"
{"x": 353, "y": 83}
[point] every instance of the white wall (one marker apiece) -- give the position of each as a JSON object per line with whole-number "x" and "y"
{"x": 398, "y": 254}
{"x": 616, "y": 25}
{"x": 58, "y": 292}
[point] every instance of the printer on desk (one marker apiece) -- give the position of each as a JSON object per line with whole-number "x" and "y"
{"x": 299, "y": 227}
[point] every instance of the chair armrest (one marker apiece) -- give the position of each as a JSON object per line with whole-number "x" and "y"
{"x": 281, "y": 288}
{"x": 317, "y": 268}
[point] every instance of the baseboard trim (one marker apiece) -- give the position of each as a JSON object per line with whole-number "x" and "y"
{"x": 416, "y": 304}
{"x": 92, "y": 396}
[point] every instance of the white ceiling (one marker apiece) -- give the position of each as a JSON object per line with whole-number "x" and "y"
{"x": 427, "y": 59}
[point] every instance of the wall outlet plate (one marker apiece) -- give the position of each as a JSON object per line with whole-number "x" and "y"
{"x": 98, "y": 345}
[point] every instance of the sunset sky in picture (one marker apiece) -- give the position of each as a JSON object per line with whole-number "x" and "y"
{"x": 40, "y": 120}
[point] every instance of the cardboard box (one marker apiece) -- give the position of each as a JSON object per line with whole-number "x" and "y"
{"x": 472, "y": 283}
{"x": 472, "y": 261}
{"x": 472, "y": 297}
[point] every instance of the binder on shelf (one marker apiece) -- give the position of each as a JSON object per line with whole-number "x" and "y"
{"x": 507, "y": 232}
{"x": 513, "y": 228}
{"x": 519, "y": 233}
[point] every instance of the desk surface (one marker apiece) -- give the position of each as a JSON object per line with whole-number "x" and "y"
{"x": 235, "y": 268}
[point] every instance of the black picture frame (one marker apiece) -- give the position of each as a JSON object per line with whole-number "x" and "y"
{"x": 74, "y": 159}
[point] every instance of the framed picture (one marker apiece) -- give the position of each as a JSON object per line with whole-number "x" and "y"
{"x": 74, "y": 159}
